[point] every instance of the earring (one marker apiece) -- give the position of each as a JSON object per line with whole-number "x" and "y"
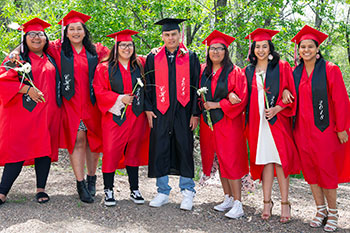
{"x": 318, "y": 56}
{"x": 270, "y": 57}
{"x": 253, "y": 58}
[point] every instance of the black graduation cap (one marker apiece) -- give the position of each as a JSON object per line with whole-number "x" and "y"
{"x": 169, "y": 24}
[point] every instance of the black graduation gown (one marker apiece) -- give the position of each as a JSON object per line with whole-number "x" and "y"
{"x": 171, "y": 139}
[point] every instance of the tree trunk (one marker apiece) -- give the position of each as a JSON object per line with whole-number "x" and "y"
{"x": 347, "y": 36}
{"x": 318, "y": 19}
{"x": 219, "y": 12}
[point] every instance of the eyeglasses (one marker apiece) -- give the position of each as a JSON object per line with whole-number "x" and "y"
{"x": 34, "y": 34}
{"x": 125, "y": 46}
{"x": 216, "y": 49}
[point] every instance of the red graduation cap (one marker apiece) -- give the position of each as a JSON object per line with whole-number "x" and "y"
{"x": 35, "y": 24}
{"x": 261, "y": 34}
{"x": 124, "y": 35}
{"x": 74, "y": 17}
{"x": 218, "y": 37}
{"x": 309, "y": 33}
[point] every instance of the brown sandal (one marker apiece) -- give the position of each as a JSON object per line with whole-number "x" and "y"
{"x": 284, "y": 219}
{"x": 267, "y": 216}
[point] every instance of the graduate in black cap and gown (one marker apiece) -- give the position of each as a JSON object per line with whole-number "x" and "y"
{"x": 173, "y": 113}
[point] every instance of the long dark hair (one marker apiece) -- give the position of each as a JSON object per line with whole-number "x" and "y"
{"x": 254, "y": 60}
{"x": 26, "y": 50}
{"x": 225, "y": 63}
{"x": 319, "y": 51}
{"x": 87, "y": 43}
{"x": 113, "y": 58}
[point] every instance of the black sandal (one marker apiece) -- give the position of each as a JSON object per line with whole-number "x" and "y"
{"x": 41, "y": 195}
{"x": 2, "y": 202}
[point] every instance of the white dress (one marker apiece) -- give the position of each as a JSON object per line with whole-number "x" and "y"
{"x": 266, "y": 150}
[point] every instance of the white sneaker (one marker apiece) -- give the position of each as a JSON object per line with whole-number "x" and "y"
{"x": 227, "y": 204}
{"x": 236, "y": 211}
{"x": 109, "y": 198}
{"x": 159, "y": 200}
{"x": 187, "y": 201}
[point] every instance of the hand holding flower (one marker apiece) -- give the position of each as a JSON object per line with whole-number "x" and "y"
{"x": 36, "y": 95}
{"x": 211, "y": 105}
{"x": 127, "y": 99}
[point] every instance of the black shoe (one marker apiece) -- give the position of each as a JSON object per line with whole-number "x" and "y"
{"x": 84, "y": 193}
{"x": 136, "y": 197}
{"x": 109, "y": 198}
{"x": 91, "y": 183}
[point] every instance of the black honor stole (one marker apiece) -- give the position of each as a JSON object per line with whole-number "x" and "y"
{"x": 272, "y": 84}
{"x": 221, "y": 92}
{"x": 30, "y": 104}
{"x": 319, "y": 92}
{"x": 67, "y": 70}
{"x": 116, "y": 81}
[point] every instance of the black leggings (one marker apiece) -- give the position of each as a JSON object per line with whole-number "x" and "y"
{"x": 133, "y": 173}
{"x": 12, "y": 171}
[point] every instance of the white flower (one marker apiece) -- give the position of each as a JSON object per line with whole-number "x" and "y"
{"x": 27, "y": 68}
{"x": 139, "y": 82}
{"x": 14, "y": 26}
{"x": 202, "y": 90}
{"x": 260, "y": 73}
{"x": 183, "y": 51}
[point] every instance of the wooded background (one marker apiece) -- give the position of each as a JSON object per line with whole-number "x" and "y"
{"x": 233, "y": 17}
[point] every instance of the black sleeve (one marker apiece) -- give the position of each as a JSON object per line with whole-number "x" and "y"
{"x": 150, "y": 83}
{"x": 195, "y": 72}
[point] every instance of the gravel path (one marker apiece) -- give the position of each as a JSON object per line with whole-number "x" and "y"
{"x": 65, "y": 213}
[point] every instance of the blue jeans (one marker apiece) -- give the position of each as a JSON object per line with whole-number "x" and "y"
{"x": 184, "y": 183}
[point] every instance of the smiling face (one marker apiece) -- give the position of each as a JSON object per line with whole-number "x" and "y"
{"x": 75, "y": 33}
{"x": 125, "y": 50}
{"x": 36, "y": 41}
{"x": 171, "y": 39}
{"x": 262, "y": 50}
{"x": 217, "y": 53}
{"x": 308, "y": 50}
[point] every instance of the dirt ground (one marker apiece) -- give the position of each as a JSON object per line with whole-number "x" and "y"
{"x": 65, "y": 213}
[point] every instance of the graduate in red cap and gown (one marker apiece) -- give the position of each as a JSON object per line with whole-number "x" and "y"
{"x": 81, "y": 133}
{"x": 119, "y": 88}
{"x": 269, "y": 125}
{"x": 225, "y": 140}
{"x": 171, "y": 105}
{"x": 29, "y": 111}
{"x": 322, "y": 125}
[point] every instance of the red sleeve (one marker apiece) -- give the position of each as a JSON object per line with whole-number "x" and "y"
{"x": 237, "y": 83}
{"x": 287, "y": 82}
{"x": 102, "y": 51}
{"x": 105, "y": 97}
{"x": 9, "y": 84}
{"x": 339, "y": 97}
{"x": 54, "y": 49}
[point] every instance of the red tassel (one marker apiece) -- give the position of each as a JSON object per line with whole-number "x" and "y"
{"x": 115, "y": 49}
{"x": 295, "y": 53}
{"x": 62, "y": 32}
{"x": 250, "y": 45}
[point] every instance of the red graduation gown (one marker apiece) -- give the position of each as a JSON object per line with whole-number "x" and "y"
{"x": 79, "y": 107}
{"x": 281, "y": 130}
{"x": 227, "y": 140}
{"x": 133, "y": 134}
{"x": 325, "y": 161}
{"x": 27, "y": 135}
